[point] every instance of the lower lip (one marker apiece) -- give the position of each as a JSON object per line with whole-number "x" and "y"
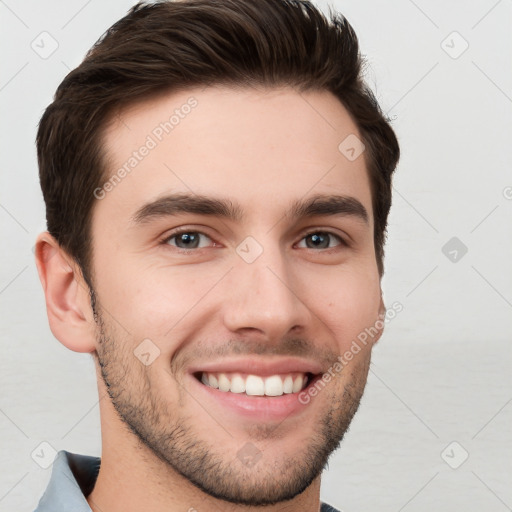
{"x": 263, "y": 408}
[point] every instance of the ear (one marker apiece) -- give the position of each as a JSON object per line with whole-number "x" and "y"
{"x": 380, "y": 323}
{"x": 67, "y": 295}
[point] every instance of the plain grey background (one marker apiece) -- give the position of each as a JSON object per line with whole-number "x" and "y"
{"x": 434, "y": 428}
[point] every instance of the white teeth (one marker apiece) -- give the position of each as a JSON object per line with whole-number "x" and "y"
{"x": 288, "y": 384}
{"x": 224, "y": 383}
{"x": 297, "y": 384}
{"x": 253, "y": 385}
{"x": 274, "y": 386}
{"x": 237, "y": 384}
{"x": 212, "y": 381}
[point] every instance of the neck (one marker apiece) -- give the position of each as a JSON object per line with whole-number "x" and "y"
{"x": 127, "y": 484}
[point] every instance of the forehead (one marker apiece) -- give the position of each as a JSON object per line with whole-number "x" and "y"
{"x": 265, "y": 148}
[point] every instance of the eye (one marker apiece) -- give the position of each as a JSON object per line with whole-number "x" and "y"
{"x": 320, "y": 240}
{"x": 188, "y": 240}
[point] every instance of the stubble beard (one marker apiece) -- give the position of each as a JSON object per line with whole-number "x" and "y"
{"x": 169, "y": 434}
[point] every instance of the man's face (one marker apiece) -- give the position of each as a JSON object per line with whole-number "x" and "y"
{"x": 258, "y": 288}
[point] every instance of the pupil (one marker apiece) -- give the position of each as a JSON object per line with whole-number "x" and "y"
{"x": 188, "y": 239}
{"x": 319, "y": 240}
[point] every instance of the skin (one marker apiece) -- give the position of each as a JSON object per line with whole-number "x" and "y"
{"x": 263, "y": 149}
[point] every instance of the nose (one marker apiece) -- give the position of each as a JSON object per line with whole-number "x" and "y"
{"x": 264, "y": 296}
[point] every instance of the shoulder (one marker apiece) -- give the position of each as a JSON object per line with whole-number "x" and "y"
{"x": 327, "y": 508}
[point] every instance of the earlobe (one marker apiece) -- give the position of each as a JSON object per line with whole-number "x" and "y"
{"x": 380, "y": 323}
{"x": 66, "y": 295}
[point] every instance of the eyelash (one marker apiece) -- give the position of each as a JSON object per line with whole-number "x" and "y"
{"x": 176, "y": 233}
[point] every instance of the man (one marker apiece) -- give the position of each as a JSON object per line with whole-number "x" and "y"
{"x": 217, "y": 179}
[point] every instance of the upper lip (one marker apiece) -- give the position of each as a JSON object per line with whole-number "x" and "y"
{"x": 260, "y": 366}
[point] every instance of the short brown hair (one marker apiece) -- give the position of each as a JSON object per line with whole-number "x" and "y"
{"x": 170, "y": 46}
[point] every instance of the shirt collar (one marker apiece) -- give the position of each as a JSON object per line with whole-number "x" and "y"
{"x": 72, "y": 480}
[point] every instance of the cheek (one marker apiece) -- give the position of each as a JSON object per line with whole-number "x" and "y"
{"x": 347, "y": 304}
{"x": 151, "y": 300}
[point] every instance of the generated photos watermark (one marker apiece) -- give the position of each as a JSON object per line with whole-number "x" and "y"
{"x": 362, "y": 339}
{"x": 152, "y": 140}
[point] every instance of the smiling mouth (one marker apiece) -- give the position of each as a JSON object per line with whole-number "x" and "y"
{"x": 255, "y": 385}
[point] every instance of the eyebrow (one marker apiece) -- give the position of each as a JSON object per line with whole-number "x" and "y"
{"x": 318, "y": 205}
